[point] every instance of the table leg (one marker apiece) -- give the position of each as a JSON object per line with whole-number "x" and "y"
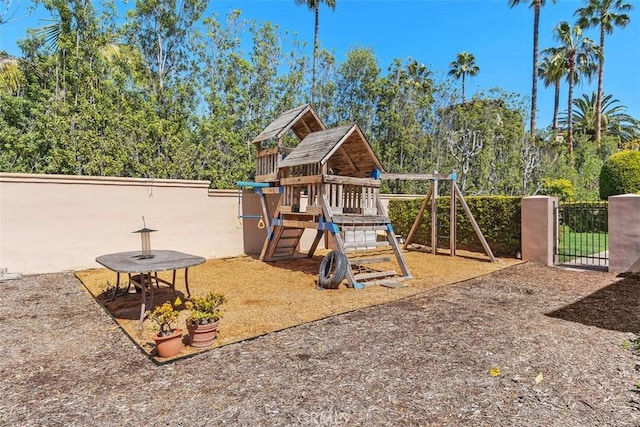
{"x": 186, "y": 280}
{"x": 173, "y": 283}
{"x": 115, "y": 292}
{"x": 143, "y": 305}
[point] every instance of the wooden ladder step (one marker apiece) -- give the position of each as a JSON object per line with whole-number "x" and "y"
{"x": 373, "y": 275}
{"x": 363, "y": 261}
{"x": 290, "y": 237}
{"x": 391, "y": 283}
{"x": 282, "y": 252}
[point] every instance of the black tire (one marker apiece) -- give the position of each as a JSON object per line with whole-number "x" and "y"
{"x": 333, "y": 270}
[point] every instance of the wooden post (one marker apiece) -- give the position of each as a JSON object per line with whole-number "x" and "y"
{"x": 434, "y": 217}
{"x": 452, "y": 221}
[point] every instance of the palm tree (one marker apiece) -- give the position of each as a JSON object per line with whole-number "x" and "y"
{"x": 464, "y": 64}
{"x": 606, "y": 14}
{"x": 615, "y": 121}
{"x": 315, "y": 6}
{"x": 536, "y": 5}
{"x": 551, "y": 70}
{"x": 580, "y": 56}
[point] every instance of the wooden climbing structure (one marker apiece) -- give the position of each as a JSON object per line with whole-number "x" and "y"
{"x": 329, "y": 182}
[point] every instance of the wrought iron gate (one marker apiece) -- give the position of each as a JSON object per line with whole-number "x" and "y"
{"x": 582, "y": 236}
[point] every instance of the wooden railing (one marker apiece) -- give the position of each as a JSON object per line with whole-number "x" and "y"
{"x": 345, "y": 194}
{"x": 268, "y": 161}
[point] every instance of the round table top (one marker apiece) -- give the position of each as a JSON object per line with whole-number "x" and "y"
{"x": 161, "y": 260}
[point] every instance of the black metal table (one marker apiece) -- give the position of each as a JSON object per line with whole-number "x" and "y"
{"x": 143, "y": 271}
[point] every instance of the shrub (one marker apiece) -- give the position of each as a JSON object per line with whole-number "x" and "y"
{"x": 620, "y": 174}
{"x": 560, "y": 188}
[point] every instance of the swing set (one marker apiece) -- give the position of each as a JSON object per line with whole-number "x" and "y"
{"x": 436, "y": 225}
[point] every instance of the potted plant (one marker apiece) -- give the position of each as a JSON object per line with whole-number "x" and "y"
{"x": 204, "y": 318}
{"x": 169, "y": 337}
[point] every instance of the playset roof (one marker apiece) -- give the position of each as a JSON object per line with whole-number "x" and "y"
{"x": 301, "y": 120}
{"x": 344, "y": 148}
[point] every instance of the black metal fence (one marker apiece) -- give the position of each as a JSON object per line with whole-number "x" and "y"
{"x": 583, "y": 234}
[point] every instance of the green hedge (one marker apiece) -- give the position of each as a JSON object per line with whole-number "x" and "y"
{"x": 585, "y": 217}
{"x": 620, "y": 174}
{"x": 498, "y": 217}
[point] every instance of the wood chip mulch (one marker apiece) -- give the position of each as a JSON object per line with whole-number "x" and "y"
{"x": 527, "y": 345}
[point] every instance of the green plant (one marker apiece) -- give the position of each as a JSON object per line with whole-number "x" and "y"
{"x": 166, "y": 316}
{"x": 560, "y": 188}
{"x": 620, "y": 174}
{"x": 205, "y": 309}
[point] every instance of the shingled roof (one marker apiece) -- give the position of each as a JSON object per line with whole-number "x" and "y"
{"x": 301, "y": 120}
{"x": 344, "y": 149}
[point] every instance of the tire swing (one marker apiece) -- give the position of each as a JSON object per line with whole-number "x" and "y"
{"x": 333, "y": 270}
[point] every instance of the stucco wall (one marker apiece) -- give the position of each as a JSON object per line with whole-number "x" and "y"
{"x": 52, "y": 223}
{"x": 55, "y": 223}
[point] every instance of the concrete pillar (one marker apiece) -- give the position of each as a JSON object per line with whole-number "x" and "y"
{"x": 624, "y": 231}
{"x": 538, "y": 229}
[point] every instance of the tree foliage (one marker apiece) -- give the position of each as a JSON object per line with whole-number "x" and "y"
{"x": 167, "y": 92}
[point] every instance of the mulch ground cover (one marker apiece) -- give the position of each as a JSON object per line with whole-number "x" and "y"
{"x": 527, "y": 345}
{"x": 267, "y": 297}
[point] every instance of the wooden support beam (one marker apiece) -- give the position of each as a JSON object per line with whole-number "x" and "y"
{"x": 434, "y": 218}
{"x": 414, "y": 176}
{"x": 476, "y": 228}
{"x": 416, "y": 222}
{"x": 315, "y": 243}
{"x": 452, "y": 221}
{"x": 394, "y": 244}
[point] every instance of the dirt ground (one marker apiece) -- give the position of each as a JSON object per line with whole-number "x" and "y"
{"x": 526, "y": 345}
{"x": 267, "y": 297}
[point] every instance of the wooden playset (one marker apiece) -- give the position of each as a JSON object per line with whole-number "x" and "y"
{"x": 329, "y": 182}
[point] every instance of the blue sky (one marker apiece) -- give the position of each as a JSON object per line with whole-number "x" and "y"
{"x": 433, "y": 32}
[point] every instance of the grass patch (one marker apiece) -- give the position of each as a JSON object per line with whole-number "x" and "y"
{"x": 572, "y": 245}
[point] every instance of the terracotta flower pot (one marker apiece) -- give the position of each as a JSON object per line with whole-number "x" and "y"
{"x": 170, "y": 345}
{"x": 202, "y": 335}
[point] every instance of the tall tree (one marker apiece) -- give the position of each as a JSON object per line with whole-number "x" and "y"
{"x": 536, "y": 5}
{"x": 465, "y": 64}
{"x": 606, "y": 14}
{"x": 357, "y": 89}
{"x": 579, "y": 55}
{"x": 551, "y": 71}
{"x": 403, "y": 114}
{"x": 315, "y": 6}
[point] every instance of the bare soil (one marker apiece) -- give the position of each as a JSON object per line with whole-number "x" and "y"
{"x": 527, "y": 345}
